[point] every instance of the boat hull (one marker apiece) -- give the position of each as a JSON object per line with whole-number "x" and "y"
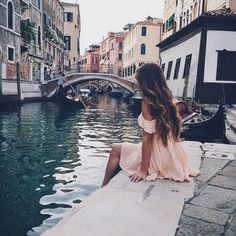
{"x": 116, "y": 93}
{"x": 207, "y": 130}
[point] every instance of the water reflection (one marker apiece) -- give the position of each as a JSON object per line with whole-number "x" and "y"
{"x": 52, "y": 159}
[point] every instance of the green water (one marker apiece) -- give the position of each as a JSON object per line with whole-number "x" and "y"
{"x": 51, "y": 159}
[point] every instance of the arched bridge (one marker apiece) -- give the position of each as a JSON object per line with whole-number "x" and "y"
{"x": 76, "y": 78}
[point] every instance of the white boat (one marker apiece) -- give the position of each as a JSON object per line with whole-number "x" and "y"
{"x": 85, "y": 93}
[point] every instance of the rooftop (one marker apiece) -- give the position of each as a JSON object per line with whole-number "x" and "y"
{"x": 224, "y": 11}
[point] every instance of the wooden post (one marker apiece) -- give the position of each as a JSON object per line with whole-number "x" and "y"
{"x": 18, "y": 81}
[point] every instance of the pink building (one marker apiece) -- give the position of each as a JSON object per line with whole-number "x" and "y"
{"x": 111, "y": 50}
{"x": 91, "y": 60}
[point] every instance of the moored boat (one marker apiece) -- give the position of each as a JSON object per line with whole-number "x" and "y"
{"x": 198, "y": 126}
{"x": 203, "y": 128}
{"x": 116, "y": 92}
{"x": 135, "y": 102}
{"x": 126, "y": 96}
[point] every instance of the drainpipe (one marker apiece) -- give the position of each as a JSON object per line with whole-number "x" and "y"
{"x": 203, "y": 6}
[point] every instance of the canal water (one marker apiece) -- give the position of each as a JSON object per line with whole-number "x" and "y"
{"x": 51, "y": 159}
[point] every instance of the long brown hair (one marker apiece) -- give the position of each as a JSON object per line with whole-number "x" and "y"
{"x": 153, "y": 86}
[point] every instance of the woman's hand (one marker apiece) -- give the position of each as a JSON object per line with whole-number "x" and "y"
{"x": 138, "y": 175}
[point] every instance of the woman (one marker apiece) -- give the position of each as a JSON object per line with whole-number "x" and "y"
{"x": 160, "y": 155}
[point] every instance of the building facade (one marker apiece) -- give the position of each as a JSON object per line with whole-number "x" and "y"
{"x": 31, "y": 44}
{"x": 90, "y": 61}
{"x": 53, "y": 38}
{"x": 10, "y": 41}
{"x": 140, "y": 45}
{"x": 111, "y": 50}
{"x": 218, "y": 4}
{"x": 180, "y": 13}
{"x": 72, "y": 34}
{"x": 206, "y": 71}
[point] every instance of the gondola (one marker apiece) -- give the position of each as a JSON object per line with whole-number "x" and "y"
{"x": 204, "y": 126}
{"x": 199, "y": 127}
{"x": 71, "y": 101}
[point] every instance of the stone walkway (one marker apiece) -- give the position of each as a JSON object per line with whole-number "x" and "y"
{"x": 203, "y": 207}
{"x": 212, "y": 210}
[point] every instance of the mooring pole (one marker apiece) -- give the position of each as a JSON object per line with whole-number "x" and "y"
{"x": 18, "y": 81}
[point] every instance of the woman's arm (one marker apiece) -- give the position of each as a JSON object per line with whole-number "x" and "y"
{"x": 146, "y": 147}
{"x": 146, "y": 151}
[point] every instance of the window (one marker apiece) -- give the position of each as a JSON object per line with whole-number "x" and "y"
{"x": 180, "y": 22}
{"x": 120, "y": 45}
{"x": 226, "y": 69}
{"x": 163, "y": 27}
{"x": 54, "y": 53}
{"x": 177, "y": 65}
{"x": 143, "y": 49}
{"x": 169, "y": 70}
{"x": 120, "y": 57}
{"x": 187, "y": 66}
{"x": 67, "y": 42}
{"x": 68, "y": 16}
{"x": 163, "y": 67}
{"x": 10, "y": 15}
{"x": 39, "y": 36}
{"x": 170, "y": 22}
{"x": 144, "y": 30}
{"x": 44, "y": 18}
{"x": 39, "y": 4}
{"x": 94, "y": 59}
{"x": 11, "y": 53}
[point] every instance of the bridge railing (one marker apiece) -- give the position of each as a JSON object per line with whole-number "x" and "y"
{"x": 105, "y": 69}
{"x": 84, "y": 68}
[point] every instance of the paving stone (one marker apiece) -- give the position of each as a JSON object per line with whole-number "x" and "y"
{"x": 231, "y": 231}
{"x": 199, "y": 186}
{"x": 229, "y": 170}
{"x": 206, "y": 214}
{"x": 224, "y": 182}
{"x": 219, "y": 155}
{"x": 216, "y": 198}
{"x": 219, "y": 147}
{"x": 195, "y": 227}
{"x": 210, "y": 167}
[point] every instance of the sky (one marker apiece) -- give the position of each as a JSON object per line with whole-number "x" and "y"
{"x": 98, "y": 17}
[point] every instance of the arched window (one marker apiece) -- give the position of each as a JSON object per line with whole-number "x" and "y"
{"x": 39, "y": 35}
{"x": 143, "y": 49}
{"x": 10, "y": 15}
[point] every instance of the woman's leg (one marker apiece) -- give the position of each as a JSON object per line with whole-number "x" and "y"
{"x": 113, "y": 164}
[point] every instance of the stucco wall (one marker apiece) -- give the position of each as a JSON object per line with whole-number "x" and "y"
{"x": 181, "y": 51}
{"x": 217, "y": 40}
{"x": 72, "y": 29}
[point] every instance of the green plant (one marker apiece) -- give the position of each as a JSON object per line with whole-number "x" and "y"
{"x": 48, "y": 32}
{"x": 27, "y": 31}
